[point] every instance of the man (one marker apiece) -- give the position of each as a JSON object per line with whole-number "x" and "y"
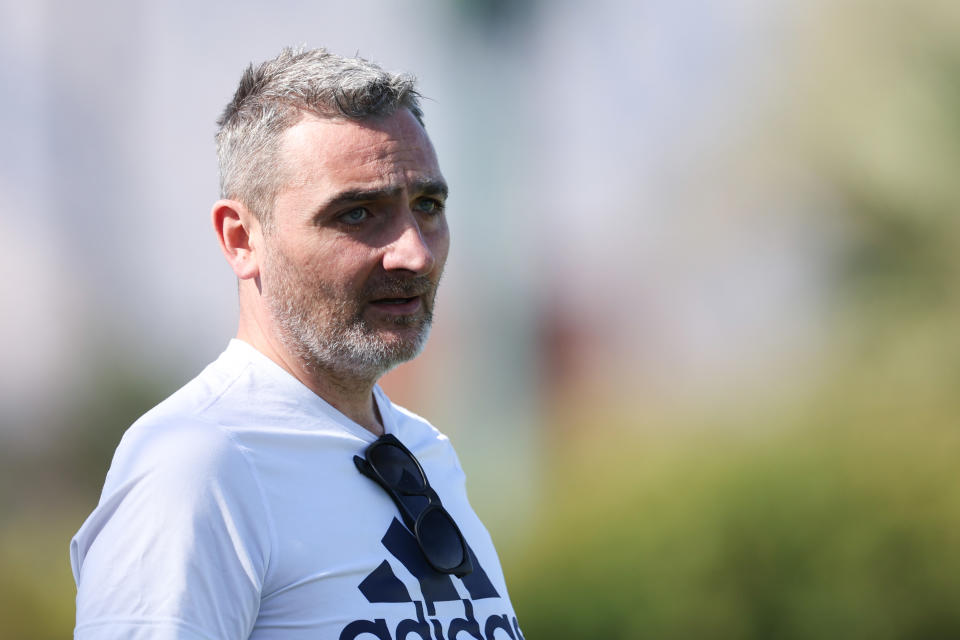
{"x": 280, "y": 494}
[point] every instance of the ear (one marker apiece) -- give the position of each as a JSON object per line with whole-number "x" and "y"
{"x": 240, "y": 235}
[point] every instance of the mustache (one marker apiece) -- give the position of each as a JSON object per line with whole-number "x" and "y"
{"x": 394, "y": 287}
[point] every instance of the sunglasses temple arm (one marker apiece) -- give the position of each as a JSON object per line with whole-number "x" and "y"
{"x": 364, "y": 467}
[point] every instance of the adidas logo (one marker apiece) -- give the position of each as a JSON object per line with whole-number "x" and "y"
{"x": 383, "y": 586}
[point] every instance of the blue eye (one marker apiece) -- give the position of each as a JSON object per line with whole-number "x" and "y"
{"x": 355, "y": 216}
{"x": 430, "y": 205}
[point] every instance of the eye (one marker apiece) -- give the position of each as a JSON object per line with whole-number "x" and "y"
{"x": 429, "y": 205}
{"x": 354, "y": 216}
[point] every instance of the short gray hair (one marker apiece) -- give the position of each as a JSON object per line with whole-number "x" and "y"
{"x": 275, "y": 96}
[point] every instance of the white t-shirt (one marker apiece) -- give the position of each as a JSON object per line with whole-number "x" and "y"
{"x": 233, "y": 509}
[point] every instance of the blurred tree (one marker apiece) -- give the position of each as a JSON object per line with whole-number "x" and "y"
{"x": 836, "y": 515}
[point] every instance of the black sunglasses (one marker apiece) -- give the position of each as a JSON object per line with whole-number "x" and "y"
{"x": 393, "y": 467}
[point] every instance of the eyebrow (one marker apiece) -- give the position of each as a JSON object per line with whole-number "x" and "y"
{"x": 426, "y": 186}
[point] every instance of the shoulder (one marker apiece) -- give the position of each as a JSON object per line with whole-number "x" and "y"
{"x": 182, "y": 434}
{"x": 180, "y": 505}
{"x": 177, "y": 447}
{"x": 178, "y": 464}
{"x": 174, "y": 471}
{"x": 181, "y": 537}
{"x": 181, "y": 534}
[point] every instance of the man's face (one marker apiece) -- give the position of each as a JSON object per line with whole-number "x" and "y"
{"x": 357, "y": 243}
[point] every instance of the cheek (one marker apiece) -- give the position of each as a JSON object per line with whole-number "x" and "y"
{"x": 349, "y": 268}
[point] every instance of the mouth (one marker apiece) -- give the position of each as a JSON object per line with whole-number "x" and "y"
{"x": 397, "y": 306}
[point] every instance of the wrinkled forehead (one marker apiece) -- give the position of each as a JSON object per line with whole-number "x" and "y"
{"x": 319, "y": 150}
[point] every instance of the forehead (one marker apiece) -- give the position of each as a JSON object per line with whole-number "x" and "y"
{"x": 324, "y": 153}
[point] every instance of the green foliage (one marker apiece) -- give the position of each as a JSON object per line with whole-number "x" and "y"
{"x": 842, "y": 524}
{"x": 36, "y": 588}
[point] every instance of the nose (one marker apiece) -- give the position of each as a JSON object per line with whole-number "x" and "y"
{"x": 409, "y": 251}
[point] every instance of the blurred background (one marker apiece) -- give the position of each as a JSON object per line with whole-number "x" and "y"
{"x": 697, "y": 342}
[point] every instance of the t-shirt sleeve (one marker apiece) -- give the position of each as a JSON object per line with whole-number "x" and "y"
{"x": 179, "y": 545}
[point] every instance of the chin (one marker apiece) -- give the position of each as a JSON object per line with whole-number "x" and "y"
{"x": 405, "y": 346}
{"x": 375, "y": 353}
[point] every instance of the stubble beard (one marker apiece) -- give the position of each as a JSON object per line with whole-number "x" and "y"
{"x": 325, "y": 328}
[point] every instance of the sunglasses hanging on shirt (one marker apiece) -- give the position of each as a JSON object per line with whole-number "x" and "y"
{"x": 391, "y": 465}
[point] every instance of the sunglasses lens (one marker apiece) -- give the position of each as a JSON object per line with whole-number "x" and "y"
{"x": 437, "y": 534}
{"x": 440, "y": 540}
{"x": 397, "y": 468}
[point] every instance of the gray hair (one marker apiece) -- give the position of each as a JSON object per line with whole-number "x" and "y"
{"x": 275, "y": 96}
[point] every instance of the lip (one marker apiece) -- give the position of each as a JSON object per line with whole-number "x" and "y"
{"x": 397, "y": 306}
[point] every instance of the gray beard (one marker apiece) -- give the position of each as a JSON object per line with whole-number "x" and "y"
{"x": 328, "y": 333}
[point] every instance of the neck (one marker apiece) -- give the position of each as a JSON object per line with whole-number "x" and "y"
{"x": 349, "y": 394}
